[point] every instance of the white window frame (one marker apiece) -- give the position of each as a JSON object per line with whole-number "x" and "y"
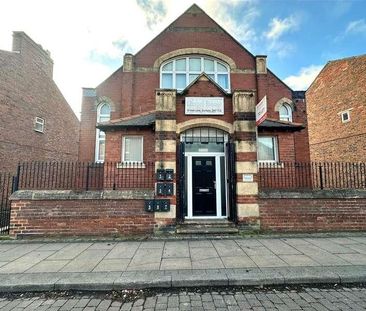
{"x": 123, "y": 148}
{"x": 39, "y": 121}
{"x": 275, "y": 146}
{"x": 286, "y": 117}
{"x": 98, "y": 139}
{"x": 187, "y": 72}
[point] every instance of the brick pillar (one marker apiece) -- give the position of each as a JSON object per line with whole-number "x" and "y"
{"x": 245, "y": 137}
{"x": 166, "y": 146}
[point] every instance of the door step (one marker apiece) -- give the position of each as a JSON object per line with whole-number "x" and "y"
{"x": 204, "y": 226}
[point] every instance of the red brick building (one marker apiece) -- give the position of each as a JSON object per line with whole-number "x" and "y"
{"x": 186, "y": 101}
{"x": 337, "y": 111}
{"x": 36, "y": 122}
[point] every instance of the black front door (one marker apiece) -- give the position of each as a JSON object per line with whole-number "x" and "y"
{"x": 203, "y": 182}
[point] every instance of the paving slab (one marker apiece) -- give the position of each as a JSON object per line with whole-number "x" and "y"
{"x": 123, "y": 250}
{"x": 243, "y": 261}
{"x": 70, "y": 251}
{"x": 112, "y": 265}
{"x": 25, "y": 262}
{"x": 298, "y": 260}
{"x": 86, "y": 261}
{"x": 48, "y": 266}
{"x": 175, "y": 263}
{"x": 176, "y": 249}
{"x": 355, "y": 259}
{"x": 18, "y": 251}
{"x": 268, "y": 261}
{"x": 208, "y": 263}
{"x": 329, "y": 246}
{"x": 279, "y": 247}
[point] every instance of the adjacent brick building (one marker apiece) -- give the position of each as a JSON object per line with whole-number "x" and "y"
{"x": 336, "y": 103}
{"x": 186, "y": 101}
{"x": 36, "y": 122}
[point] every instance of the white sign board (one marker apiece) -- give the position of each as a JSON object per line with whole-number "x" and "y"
{"x": 204, "y": 105}
{"x": 248, "y": 178}
{"x": 261, "y": 111}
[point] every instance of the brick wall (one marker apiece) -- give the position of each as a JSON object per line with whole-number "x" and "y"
{"x": 132, "y": 89}
{"x": 340, "y": 86}
{"x": 313, "y": 211}
{"x": 71, "y": 214}
{"x": 27, "y": 90}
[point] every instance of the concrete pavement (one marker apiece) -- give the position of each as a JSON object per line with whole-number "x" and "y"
{"x": 39, "y": 266}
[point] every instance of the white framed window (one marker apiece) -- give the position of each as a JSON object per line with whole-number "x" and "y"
{"x": 39, "y": 124}
{"x": 103, "y": 114}
{"x": 267, "y": 149}
{"x": 179, "y": 72}
{"x": 345, "y": 116}
{"x": 132, "y": 149}
{"x": 285, "y": 112}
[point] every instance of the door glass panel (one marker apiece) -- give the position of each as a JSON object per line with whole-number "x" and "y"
{"x": 209, "y": 147}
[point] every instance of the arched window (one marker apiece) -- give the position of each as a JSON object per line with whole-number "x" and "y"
{"x": 179, "y": 72}
{"x": 103, "y": 115}
{"x": 285, "y": 112}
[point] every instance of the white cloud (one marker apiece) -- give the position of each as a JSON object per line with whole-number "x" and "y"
{"x": 304, "y": 78}
{"x": 358, "y": 26}
{"x": 87, "y": 38}
{"x": 278, "y": 27}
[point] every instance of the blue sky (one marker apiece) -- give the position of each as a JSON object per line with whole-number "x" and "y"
{"x": 88, "y": 38}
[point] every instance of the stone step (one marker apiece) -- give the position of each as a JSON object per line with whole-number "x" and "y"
{"x": 216, "y": 222}
{"x": 198, "y": 230}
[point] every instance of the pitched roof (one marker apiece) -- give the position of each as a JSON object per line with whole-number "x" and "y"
{"x": 273, "y": 124}
{"x": 142, "y": 120}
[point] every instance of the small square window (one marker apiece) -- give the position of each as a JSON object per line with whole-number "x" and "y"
{"x": 345, "y": 116}
{"x": 39, "y": 124}
{"x": 132, "y": 149}
{"x": 267, "y": 149}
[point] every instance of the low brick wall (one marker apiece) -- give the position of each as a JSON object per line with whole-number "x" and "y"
{"x": 94, "y": 213}
{"x": 313, "y": 211}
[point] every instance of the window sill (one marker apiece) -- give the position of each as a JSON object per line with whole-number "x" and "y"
{"x": 131, "y": 165}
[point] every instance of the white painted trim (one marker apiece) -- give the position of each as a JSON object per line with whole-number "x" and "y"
{"x": 217, "y": 156}
{"x": 275, "y": 146}
{"x": 189, "y": 186}
{"x": 187, "y": 72}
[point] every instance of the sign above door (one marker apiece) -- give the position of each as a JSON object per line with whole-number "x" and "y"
{"x": 204, "y": 106}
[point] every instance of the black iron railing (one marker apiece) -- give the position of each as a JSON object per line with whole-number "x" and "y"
{"x": 6, "y": 188}
{"x": 85, "y": 175}
{"x": 312, "y": 175}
